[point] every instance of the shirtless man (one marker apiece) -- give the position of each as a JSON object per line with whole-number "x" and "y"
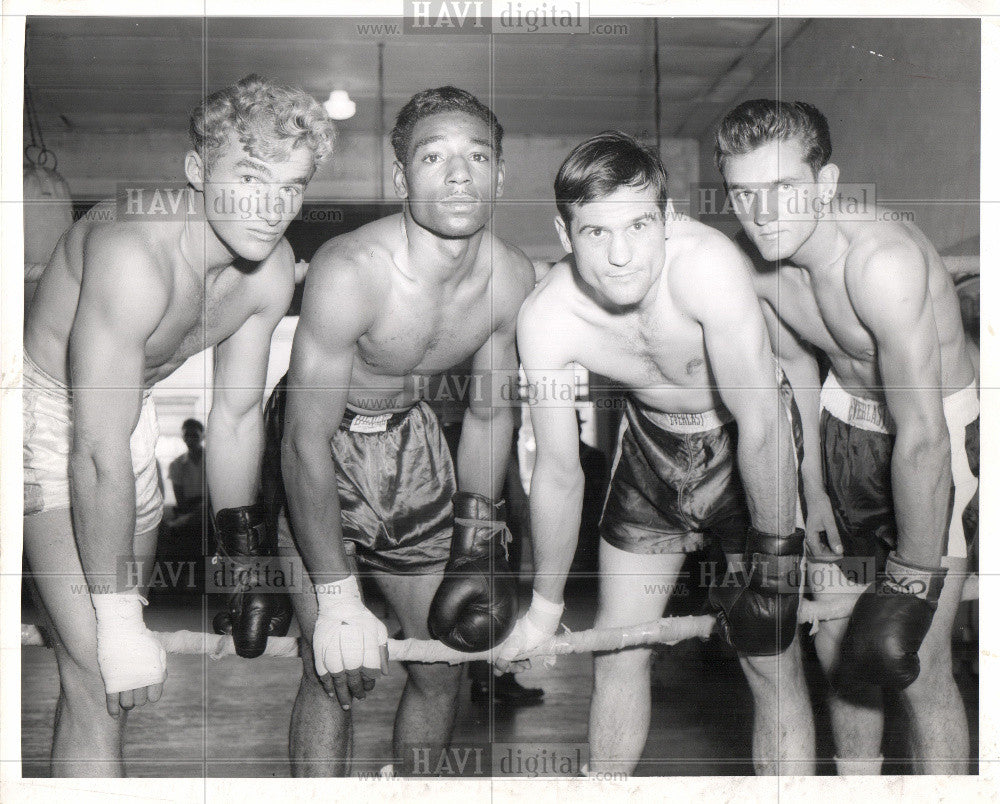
{"x": 891, "y": 441}
{"x": 120, "y": 306}
{"x": 409, "y": 295}
{"x": 663, "y": 305}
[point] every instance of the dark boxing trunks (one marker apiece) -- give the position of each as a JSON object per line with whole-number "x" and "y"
{"x": 675, "y": 479}
{"x": 396, "y": 481}
{"x": 857, "y": 437}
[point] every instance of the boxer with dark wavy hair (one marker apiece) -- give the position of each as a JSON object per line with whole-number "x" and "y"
{"x": 120, "y": 306}
{"x": 664, "y": 306}
{"x": 892, "y": 436}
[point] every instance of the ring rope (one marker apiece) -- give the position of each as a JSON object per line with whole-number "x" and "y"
{"x": 667, "y": 631}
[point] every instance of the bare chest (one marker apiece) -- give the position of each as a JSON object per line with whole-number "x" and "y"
{"x": 821, "y": 313}
{"x": 197, "y": 319}
{"x": 425, "y": 335}
{"x": 662, "y": 352}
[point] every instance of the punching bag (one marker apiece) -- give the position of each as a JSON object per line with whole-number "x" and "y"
{"x": 48, "y": 212}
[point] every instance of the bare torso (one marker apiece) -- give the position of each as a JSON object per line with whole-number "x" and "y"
{"x": 201, "y": 311}
{"x": 658, "y": 354}
{"x": 421, "y": 329}
{"x": 820, "y": 310}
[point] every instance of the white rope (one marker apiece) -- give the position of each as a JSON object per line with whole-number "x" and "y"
{"x": 667, "y": 631}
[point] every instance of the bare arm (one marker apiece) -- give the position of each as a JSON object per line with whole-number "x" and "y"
{"x": 892, "y": 298}
{"x": 714, "y": 287}
{"x": 556, "y": 496}
{"x": 488, "y": 425}
{"x": 234, "y": 437}
{"x": 802, "y": 371}
{"x": 122, "y": 299}
{"x": 336, "y": 310}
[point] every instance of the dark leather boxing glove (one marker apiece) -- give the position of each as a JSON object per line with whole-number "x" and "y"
{"x": 476, "y": 604}
{"x": 888, "y": 625}
{"x": 758, "y": 611}
{"x": 254, "y": 612}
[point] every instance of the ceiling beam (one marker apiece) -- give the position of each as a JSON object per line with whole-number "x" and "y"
{"x": 701, "y": 121}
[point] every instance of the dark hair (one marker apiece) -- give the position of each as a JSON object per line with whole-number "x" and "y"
{"x": 756, "y": 122}
{"x": 192, "y": 424}
{"x": 436, "y": 101}
{"x": 597, "y": 167}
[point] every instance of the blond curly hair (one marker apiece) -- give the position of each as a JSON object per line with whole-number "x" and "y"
{"x": 268, "y": 119}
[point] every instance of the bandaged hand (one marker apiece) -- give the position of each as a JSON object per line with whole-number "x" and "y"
{"x": 537, "y": 625}
{"x": 350, "y": 644}
{"x": 132, "y": 660}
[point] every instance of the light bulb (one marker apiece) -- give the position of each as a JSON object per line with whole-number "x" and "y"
{"x": 339, "y": 105}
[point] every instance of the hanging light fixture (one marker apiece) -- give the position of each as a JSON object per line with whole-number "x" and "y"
{"x": 339, "y": 105}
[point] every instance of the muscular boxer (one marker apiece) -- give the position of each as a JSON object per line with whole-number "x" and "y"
{"x": 401, "y": 298}
{"x": 120, "y": 306}
{"x": 891, "y": 440}
{"x": 663, "y": 305}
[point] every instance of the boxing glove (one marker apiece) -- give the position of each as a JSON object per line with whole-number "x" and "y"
{"x": 758, "y": 613}
{"x": 475, "y": 606}
{"x": 254, "y": 612}
{"x": 888, "y": 625}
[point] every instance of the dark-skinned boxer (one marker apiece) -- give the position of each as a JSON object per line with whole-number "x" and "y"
{"x": 364, "y": 460}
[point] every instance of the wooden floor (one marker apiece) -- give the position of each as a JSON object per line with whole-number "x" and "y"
{"x": 230, "y": 717}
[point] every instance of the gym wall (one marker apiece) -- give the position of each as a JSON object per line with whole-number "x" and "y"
{"x": 902, "y": 99}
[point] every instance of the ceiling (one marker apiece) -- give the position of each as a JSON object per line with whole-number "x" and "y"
{"x": 122, "y": 73}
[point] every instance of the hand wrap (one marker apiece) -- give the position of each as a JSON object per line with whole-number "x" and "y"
{"x": 129, "y": 655}
{"x": 347, "y": 635}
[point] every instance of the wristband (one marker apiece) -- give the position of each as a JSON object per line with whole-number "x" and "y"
{"x": 774, "y": 560}
{"x": 912, "y": 579}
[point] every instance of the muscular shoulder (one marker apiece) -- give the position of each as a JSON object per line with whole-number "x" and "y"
{"x": 546, "y": 316}
{"x": 126, "y": 241}
{"x": 550, "y": 294}
{"x": 705, "y": 268}
{"x": 512, "y": 271}
{"x": 125, "y": 267}
{"x": 883, "y": 269}
{"x": 347, "y": 276}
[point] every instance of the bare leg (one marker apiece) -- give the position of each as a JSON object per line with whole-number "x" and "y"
{"x": 319, "y": 741}
{"x": 939, "y": 728}
{"x": 784, "y": 737}
{"x": 634, "y": 589}
{"x": 426, "y": 714}
{"x": 87, "y": 741}
{"x": 857, "y": 722}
